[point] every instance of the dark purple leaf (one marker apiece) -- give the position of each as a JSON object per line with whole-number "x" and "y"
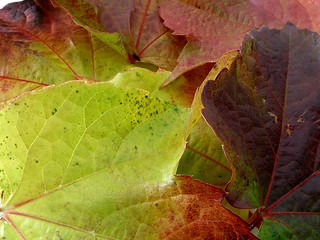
{"x": 266, "y": 112}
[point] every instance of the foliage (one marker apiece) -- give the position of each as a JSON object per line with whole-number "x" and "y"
{"x": 107, "y": 110}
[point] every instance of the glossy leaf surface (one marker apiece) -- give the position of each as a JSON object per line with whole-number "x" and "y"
{"x": 216, "y": 27}
{"x": 266, "y": 112}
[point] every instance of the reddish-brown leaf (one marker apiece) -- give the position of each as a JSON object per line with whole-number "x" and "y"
{"x": 196, "y": 213}
{"x": 215, "y": 27}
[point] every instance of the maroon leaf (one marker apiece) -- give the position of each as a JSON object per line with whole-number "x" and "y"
{"x": 266, "y": 112}
{"x": 215, "y": 27}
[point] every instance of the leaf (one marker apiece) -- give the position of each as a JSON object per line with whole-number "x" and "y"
{"x": 275, "y": 230}
{"x": 215, "y": 27}
{"x": 151, "y": 81}
{"x": 94, "y": 161}
{"x": 79, "y": 136}
{"x": 181, "y": 92}
{"x": 224, "y": 62}
{"x": 85, "y": 14}
{"x": 138, "y": 22}
{"x": 44, "y": 46}
{"x": 204, "y": 158}
{"x": 266, "y": 112}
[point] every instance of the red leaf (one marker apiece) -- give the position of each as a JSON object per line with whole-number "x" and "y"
{"x": 198, "y": 214}
{"x": 215, "y": 27}
{"x": 266, "y": 112}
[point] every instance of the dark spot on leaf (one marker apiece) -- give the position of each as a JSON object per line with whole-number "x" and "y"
{"x": 136, "y": 57}
{"x": 54, "y": 111}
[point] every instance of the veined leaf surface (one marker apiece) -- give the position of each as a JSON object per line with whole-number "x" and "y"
{"x": 95, "y": 161}
{"x": 41, "y": 45}
{"x": 143, "y": 33}
{"x": 266, "y": 112}
{"x": 215, "y": 27}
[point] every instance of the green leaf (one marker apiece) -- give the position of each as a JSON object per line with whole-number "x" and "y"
{"x": 151, "y": 81}
{"x": 271, "y": 229}
{"x": 204, "y": 157}
{"x": 44, "y": 46}
{"x": 84, "y": 156}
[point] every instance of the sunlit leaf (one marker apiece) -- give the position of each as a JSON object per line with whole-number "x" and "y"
{"x": 96, "y": 161}
{"x": 84, "y": 149}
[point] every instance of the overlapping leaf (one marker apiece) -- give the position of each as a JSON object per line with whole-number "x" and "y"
{"x": 215, "y": 27}
{"x": 151, "y": 81}
{"x": 95, "y": 161}
{"x": 138, "y": 22}
{"x": 41, "y": 45}
{"x": 204, "y": 157}
{"x": 266, "y": 111}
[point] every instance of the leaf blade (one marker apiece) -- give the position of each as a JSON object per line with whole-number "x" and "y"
{"x": 213, "y": 28}
{"x": 265, "y": 110}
